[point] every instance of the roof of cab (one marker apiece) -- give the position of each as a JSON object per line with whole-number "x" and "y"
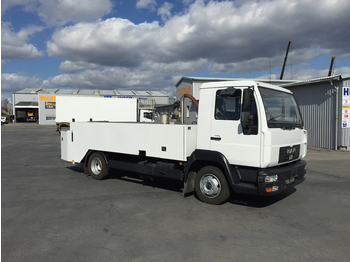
{"x": 243, "y": 83}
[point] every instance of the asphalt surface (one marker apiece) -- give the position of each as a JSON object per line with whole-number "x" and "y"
{"x": 51, "y": 211}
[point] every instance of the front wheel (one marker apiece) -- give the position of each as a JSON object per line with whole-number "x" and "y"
{"x": 97, "y": 166}
{"x": 211, "y": 186}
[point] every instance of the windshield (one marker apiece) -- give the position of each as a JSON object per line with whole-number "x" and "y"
{"x": 281, "y": 109}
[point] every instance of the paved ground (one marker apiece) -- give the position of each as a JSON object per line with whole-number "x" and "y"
{"x": 51, "y": 211}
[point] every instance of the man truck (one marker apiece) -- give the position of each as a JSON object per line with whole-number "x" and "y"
{"x": 248, "y": 138}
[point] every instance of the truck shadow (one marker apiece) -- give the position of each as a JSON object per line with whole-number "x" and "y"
{"x": 260, "y": 201}
{"x": 177, "y": 186}
{"x": 155, "y": 182}
{"x": 79, "y": 168}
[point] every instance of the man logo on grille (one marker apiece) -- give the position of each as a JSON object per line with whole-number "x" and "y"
{"x": 291, "y": 150}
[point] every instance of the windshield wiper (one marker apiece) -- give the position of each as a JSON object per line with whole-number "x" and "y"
{"x": 288, "y": 126}
{"x": 274, "y": 118}
{"x": 274, "y": 125}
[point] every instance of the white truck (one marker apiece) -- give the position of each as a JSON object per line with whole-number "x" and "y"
{"x": 249, "y": 138}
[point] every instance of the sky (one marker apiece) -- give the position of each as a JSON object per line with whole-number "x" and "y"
{"x": 151, "y": 44}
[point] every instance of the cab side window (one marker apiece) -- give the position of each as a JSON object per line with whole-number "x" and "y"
{"x": 228, "y": 107}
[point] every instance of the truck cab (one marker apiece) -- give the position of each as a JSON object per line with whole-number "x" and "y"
{"x": 255, "y": 131}
{"x": 250, "y": 119}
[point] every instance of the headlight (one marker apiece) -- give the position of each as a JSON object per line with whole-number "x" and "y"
{"x": 270, "y": 179}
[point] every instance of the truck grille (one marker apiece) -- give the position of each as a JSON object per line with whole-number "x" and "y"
{"x": 289, "y": 153}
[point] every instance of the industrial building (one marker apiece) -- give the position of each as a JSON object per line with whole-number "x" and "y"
{"x": 325, "y": 107}
{"x": 39, "y": 105}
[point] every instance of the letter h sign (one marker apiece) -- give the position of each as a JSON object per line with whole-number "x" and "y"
{"x": 346, "y": 91}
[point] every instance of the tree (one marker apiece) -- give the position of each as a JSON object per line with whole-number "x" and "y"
{"x": 6, "y": 106}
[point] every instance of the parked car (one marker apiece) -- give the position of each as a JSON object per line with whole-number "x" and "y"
{"x": 4, "y": 120}
{"x": 32, "y": 119}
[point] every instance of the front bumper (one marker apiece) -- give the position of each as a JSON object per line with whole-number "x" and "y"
{"x": 289, "y": 175}
{"x": 253, "y": 181}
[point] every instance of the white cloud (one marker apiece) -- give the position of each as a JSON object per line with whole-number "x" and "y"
{"x": 164, "y": 11}
{"x": 15, "y": 46}
{"x": 113, "y": 42}
{"x": 342, "y": 70}
{"x": 63, "y": 11}
{"x": 187, "y": 2}
{"x": 147, "y": 4}
{"x": 14, "y": 82}
{"x": 6, "y": 4}
{"x": 232, "y": 37}
{"x": 305, "y": 74}
{"x": 301, "y": 73}
{"x": 71, "y": 67}
{"x": 149, "y": 76}
{"x": 222, "y": 37}
{"x": 60, "y": 12}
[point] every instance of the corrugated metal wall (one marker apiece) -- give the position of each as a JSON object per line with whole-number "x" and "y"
{"x": 343, "y": 133}
{"x": 317, "y": 104}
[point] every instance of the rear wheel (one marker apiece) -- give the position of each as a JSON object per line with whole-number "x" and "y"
{"x": 97, "y": 166}
{"x": 211, "y": 186}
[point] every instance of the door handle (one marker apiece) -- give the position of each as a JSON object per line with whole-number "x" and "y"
{"x": 215, "y": 138}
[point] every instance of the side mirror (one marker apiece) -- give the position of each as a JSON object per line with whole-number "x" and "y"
{"x": 249, "y": 117}
{"x": 248, "y": 97}
{"x": 249, "y": 123}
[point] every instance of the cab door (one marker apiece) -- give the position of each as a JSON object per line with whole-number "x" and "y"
{"x": 226, "y": 132}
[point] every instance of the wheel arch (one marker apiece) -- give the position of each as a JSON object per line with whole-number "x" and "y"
{"x": 202, "y": 158}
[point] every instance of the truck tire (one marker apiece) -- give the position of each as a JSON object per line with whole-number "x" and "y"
{"x": 97, "y": 166}
{"x": 211, "y": 186}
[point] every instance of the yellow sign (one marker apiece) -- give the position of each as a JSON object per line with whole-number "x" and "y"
{"x": 184, "y": 90}
{"x": 48, "y": 98}
{"x": 345, "y": 106}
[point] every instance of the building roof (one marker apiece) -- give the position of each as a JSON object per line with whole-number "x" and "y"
{"x": 27, "y": 104}
{"x": 28, "y": 91}
{"x": 317, "y": 80}
{"x": 345, "y": 76}
{"x": 218, "y": 79}
{"x": 96, "y": 92}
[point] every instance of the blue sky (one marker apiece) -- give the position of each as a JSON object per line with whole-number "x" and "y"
{"x": 150, "y": 44}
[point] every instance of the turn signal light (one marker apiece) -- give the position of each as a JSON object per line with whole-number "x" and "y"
{"x": 271, "y": 189}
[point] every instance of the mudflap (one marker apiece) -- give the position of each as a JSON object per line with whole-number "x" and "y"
{"x": 189, "y": 184}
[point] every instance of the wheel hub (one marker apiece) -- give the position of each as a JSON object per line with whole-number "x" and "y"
{"x": 96, "y": 166}
{"x": 210, "y": 185}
